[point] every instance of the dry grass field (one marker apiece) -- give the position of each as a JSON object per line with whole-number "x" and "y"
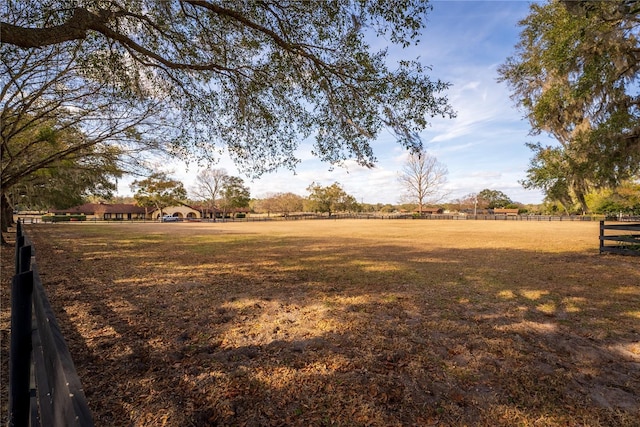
{"x": 345, "y": 323}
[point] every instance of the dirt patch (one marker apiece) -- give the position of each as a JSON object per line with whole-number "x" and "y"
{"x": 345, "y": 323}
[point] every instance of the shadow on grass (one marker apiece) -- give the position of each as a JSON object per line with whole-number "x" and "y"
{"x": 346, "y": 332}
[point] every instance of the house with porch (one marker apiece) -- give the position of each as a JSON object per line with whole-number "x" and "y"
{"x": 181, "y": 211}
{"x": 129, "y": 211}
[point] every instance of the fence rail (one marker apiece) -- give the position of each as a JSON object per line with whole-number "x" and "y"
{"x": 44, "y": 388}
{"x": 298, "y": 217}
{"x": 627, "y": 238}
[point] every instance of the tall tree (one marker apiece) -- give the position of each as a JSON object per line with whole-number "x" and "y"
{"x": 491, "y": 199}
{"x": 423, "y": 178}
{"x": 285, "y": 203}
{"x": 289, "y": 202}
{"x": 575, "y": 75}
{"x": 255, "y": 77}
{"x": 330, "y": 199}
{"x": 266, "y": 204}
{"x": 553, "y": 171}
{"x": 209, "y": 186}
{"x": 234, "y": 194}
{"x": 158, "y": 191}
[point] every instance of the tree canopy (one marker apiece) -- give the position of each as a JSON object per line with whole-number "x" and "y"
{"x": 255, "y": 78}
{"x": 63, "y": 136}
{"x": 235, "y": 194}
{"x": 67, "y": 183}
{"x": 158, "y": 191}
{"x": 624, "y": 199}
{"x": 491, "y": 199}
{"x": 575, "y": 75}
{"x": 284, "y": 203}
{"x": 330, "y": 199}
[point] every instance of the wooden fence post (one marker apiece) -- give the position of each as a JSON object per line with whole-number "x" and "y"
{"x": 23, "y": 259}
{"x": 20, "y": 353}
{"x": 601, "y": 236}
{"x": 20, "y": 241}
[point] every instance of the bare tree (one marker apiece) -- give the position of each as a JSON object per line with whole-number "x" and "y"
{"x": 423, "y": 178}
{"x": 209, "y": 183}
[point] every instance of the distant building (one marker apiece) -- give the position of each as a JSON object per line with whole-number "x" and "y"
{"x": 129, "y": 211}
{"x": 429, "y": 210}
{"x": 507, "y": 212}
{"x": 181, "y": 211}
{"x": 105, "y": 211}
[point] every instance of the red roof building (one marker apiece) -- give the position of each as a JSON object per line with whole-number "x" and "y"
{"x": 118, "y": 211}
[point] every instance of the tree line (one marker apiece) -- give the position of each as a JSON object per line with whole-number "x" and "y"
{"x": 422, "y": 177}
{"x": 218, "y": 192}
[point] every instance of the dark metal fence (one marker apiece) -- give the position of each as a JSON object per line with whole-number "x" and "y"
{"x": 337, "y": 216}
{"x": 44, "y": 388}
{"x": 626, "y": 238}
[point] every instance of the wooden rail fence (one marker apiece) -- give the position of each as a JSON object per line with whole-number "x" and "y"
{"x": 44, "y": 388}
{"x": 627, "y": 238}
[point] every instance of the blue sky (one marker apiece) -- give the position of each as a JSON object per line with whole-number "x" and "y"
{"x": 483, "y": 147}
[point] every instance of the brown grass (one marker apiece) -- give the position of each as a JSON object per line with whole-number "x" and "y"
{"x": 354, "y": 323}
